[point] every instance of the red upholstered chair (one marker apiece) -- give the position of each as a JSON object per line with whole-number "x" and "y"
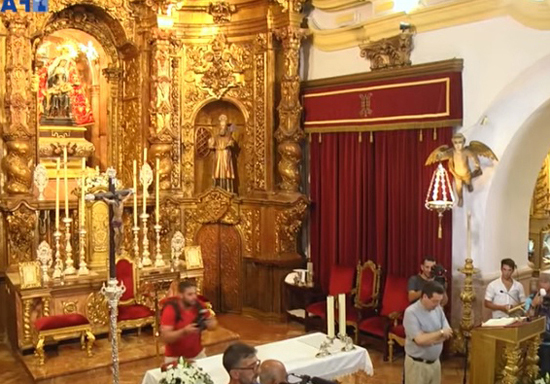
{"x": 132, "y": 313}
{"x": 394, "y": 302}
{"x": 65, "y": 325}
{"x": 341, "y": 281}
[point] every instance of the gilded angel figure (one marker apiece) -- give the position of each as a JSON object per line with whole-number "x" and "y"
{"x": 459, "y": 157}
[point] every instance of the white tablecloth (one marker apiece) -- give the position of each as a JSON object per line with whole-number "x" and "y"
{"x": 298, "y": 355}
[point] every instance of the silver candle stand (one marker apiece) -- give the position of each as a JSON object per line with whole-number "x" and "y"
{"x": 113, "y": 292}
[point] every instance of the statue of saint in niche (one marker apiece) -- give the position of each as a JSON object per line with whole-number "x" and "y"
{"x": 223, "y": 174}
{"x": 61, "y": 94}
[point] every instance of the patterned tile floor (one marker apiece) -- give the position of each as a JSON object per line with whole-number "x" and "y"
{"x": 252, "y": 331}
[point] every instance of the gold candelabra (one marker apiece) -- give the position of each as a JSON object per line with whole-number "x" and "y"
{"x": 159, "y": 262}
{"x": 135, "y": 229}
{"x": 69, "y": 262}
{"x": 58, "y": 267}
{"x": 82, "y": 266}
{"x": 146, "y": 261}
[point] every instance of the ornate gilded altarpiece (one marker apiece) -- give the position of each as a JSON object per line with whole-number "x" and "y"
{"x": 168, "y": 72}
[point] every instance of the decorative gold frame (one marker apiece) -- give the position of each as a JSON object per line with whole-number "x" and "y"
{"x": 135, "y": 275}
{"x": 193, "y": 253}
{"x": 29, "y": 275}
{"x": 377, "y": 273}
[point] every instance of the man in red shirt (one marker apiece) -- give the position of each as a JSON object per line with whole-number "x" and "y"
{"x": 183, "y": 317}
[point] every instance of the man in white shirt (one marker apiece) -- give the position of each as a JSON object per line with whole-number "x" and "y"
{"x": 504, "y": 292}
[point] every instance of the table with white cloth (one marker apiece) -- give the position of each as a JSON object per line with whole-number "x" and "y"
{"x": 298, "y": 356}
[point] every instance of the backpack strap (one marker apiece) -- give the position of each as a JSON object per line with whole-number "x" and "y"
{"x": 175, "y": 306}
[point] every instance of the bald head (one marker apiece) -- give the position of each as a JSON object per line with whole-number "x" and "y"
{"x": 272, "y": 372}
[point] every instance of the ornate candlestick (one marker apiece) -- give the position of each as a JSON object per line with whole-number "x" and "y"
{"x": 58, "y": 267}
{"x": 69, "y": 270}
{"x": 113, "y": 292}
{"x": 146, "y": 260}
{"x": 135, "y": 229}
{"x": 159, "y": 262}
{"x": 82, "y": 266}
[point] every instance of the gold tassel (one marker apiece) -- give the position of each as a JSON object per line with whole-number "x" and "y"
{"x": 371, "y": 137}
{"x": 320, "y": 140}
{"x": 360, "y": 137}
{"x": 309, "y": 137}
{"x": 435, "y": 134}
{"x": 421, "y": 136}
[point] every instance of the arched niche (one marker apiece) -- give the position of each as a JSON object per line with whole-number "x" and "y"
{"x": 207, "y": 126}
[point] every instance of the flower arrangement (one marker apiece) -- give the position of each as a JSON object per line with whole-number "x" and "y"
{"x": 185, "y": 373}
{"x": 543, "y": 380}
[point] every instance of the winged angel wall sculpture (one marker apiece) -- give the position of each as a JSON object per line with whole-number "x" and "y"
{"x": 458, "y": 158}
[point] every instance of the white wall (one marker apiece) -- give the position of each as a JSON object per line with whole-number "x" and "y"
{"x": 507, "y": 78}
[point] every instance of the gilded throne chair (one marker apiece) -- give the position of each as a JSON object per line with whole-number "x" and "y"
{"x": 132, "y": 311}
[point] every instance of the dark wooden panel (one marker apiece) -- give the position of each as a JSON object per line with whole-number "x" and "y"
{"x": 230, "y": 269}
{"x": 208, "y": 239}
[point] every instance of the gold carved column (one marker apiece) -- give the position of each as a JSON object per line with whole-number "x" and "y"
{"x": 114, "y": 75}
{"x": 18, "y": 136}
{"x": 289, "y": 134}
{"x": 160, "y": 131}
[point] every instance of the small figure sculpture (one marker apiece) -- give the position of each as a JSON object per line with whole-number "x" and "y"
{"x": 459, "y": 165}
{"x": 223, "y": 174}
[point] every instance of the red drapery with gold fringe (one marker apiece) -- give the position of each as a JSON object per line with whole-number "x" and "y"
{"x": 368, "y": 192}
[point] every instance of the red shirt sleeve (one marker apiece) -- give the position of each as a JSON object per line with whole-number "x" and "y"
{"x": 168, "y": 316}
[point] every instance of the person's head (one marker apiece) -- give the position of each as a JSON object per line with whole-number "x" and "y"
{"x": 240, "y": 361}
{"x": 187, "y": 290}
{"x": 426, "y": 267}
{"x": 544, "y": 282}
{"x": 432, "y": 294}
{"x": 223, "y": 125}
{"x": 458, "y": 141}
{"x": 273, "y": 372}
{"x": 507, "y": 267}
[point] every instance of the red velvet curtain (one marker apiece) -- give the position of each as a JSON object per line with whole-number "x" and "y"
{"x": 368, "y": 194}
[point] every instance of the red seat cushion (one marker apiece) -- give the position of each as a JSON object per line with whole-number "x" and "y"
{"x": 375, "y": 325}
{"x": 367, "y": 283}
{"x": 133, "y": 312}
{"x": 60, "y": 321}
{"x": 398, "y": 330}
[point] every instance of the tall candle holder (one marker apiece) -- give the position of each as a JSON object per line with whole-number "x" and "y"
{"x": 69, "y": 262}
{"x": 113, "y": 292}
{"x": 82, "y": 266}
{"x": 135, "y": 229}
{"x": 159, "y": 261}
{"x": 58, "y": 267}
{"x": 146, "y": 260}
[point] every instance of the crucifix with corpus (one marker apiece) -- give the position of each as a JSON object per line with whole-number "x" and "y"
{"x": 115, "y": 199}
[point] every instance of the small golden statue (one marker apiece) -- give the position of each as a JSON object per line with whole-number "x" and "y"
{"x": 223, "y": 174}
{"x": 459, "y": 164}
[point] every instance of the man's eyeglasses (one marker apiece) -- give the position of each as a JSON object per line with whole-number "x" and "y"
{"x": 253, "y": 367}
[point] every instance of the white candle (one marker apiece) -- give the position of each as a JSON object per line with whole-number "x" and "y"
{"x": 157, "y": 189}
{"x": 144, "y": 186}
{"x": 342, "y": 314}
{"x": 82, "y": 204}
{"x": 468, "y": 236}
{"x": 66, "y": 182}
{"x": 330, "y": 317}
{"x": 135, "y": 195}
{"x": 58, "y": 166}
